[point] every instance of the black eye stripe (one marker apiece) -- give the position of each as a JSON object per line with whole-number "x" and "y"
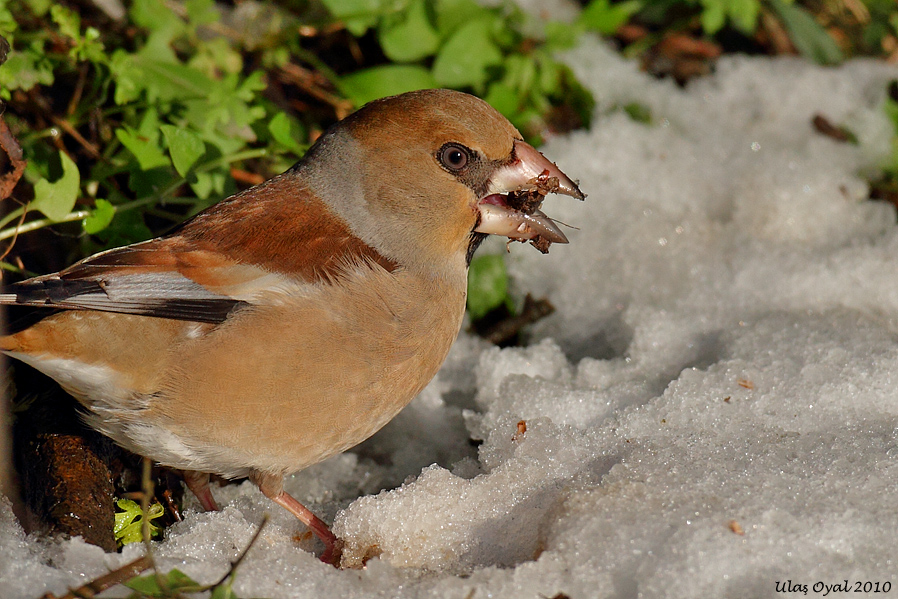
{"x": 455, "y": 157}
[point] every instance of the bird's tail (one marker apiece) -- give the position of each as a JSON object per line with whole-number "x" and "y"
{"x": 9, "y": 298}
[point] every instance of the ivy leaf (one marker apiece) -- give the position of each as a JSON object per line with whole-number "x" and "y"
{"x": 465, "y": 57}
{"x": 487, "y": 284}
{"x": 55, "y": 200}
{"x": 208, "y": 183}
{"x": 100, "y": 218}
{"x": 387, "y": 80}
{"x": 408, "y": 36}
{"x": 184, "y": 146}
{"x": 149, "y": 155}
{"x": 286, "y": 131}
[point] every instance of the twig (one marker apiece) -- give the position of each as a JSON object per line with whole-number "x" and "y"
{"x": 246, "y": 177}
{"x": 305, "y": 80}
{"x": 79, "y": 90}
{"x": 326, "y": 29}
{"x": 148, "y": 490}
{"x": 98, "y": 585}
{"x": 70, "y": 129}
{"x": 505, "y": 330}
{"x": 14, "y": 237}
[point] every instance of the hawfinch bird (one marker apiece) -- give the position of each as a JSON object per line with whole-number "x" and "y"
{"x": 289, "y": 322}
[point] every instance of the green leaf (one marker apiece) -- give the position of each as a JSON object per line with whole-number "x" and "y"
{"x": 487, "y": 284}
{"x": 68, "y": 21}
{"x": 286, "y": 131}
{"x": 202, "y": 12}
{"x": 357, "y": 15}
{"x": 550, "y": 78}
{"x": 503, "y": 98}
{"x": 184, "y": 146}
{"x": 100, "y": 218}
{"x": 86, "y": 47}
{"x": 464, "y": 59}
{"x": 172, "y": 81}
{"x": 126, "y": 227}
{"x": 223, "y": 591}
{"x": 452, "y": 14}
{"x": 520, "y": 72}
{"x": 129, "y": 522}
{"x": 8, "y": 23}
{"x": 149, "y": 155}
{"x": 713, "y": 16}
{"x": 208, "y": 183}
{"x": 562, "y": 36}
{"x": 744, "y": 14}
{"x": 23, "y": 70}
{"x": 55, "y": 200}
{"x": 408, "y": 36}
{"x": 606, "y": 18}
{"x": 174, "y": 580}
{"x": 387, "y": 80}
{"x": 155, "y": 16}
{"x": 39, "y": 7}
{"x": 809, "y": 37}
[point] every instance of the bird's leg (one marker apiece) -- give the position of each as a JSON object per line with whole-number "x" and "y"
{"x": 272, "y": 486}
{"x": 198, "y": 483}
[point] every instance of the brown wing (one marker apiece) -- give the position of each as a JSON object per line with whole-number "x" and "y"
{"x": 274, "y": 233}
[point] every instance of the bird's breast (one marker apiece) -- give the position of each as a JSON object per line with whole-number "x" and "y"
{"x": 288, "y": 383}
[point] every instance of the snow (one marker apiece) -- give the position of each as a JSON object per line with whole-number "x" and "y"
{"x": 711, "y": 411}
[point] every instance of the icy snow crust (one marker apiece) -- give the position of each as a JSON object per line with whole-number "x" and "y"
{"x": 723, "y": 360}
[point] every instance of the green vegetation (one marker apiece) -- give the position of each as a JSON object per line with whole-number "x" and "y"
{"x": 131, "y": 124}
{"x": 129, "y": 522}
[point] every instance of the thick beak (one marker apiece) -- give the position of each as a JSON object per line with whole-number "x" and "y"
{"x": 530, "y": 173}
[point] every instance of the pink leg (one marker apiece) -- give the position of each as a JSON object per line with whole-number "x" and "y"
{"x": 273, "y": 488}
{"x": 198, "y": 483}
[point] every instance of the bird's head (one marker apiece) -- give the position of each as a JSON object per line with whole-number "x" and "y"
{"x": 427, "y": 175}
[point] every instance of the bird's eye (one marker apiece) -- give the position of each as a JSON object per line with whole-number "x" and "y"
{"x": 454, "y": 156}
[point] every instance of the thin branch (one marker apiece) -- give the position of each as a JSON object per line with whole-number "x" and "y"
{"x": 70, "y": 129}
{"x": 40, "y": 223}
{"x": 118, "y": 576}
